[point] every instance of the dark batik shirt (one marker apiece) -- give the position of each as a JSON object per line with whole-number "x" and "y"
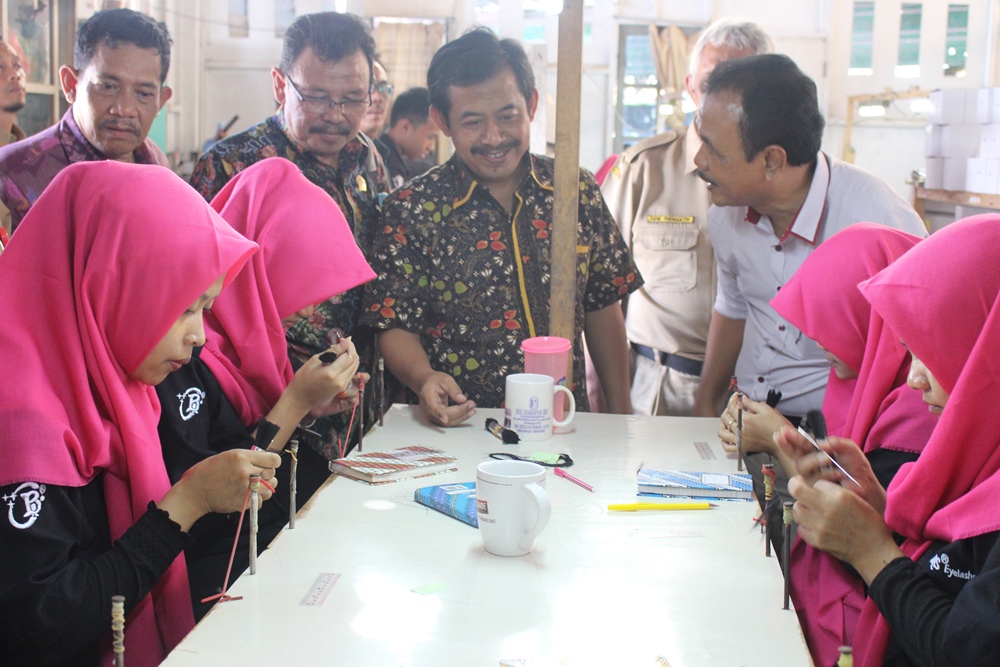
{"x": 473, "y": 281}
{"x": 358, "y": 185}
{"x": 28, "y": 166}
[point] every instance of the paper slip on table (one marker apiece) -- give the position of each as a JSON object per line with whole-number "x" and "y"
{"x": 368, "y": 577}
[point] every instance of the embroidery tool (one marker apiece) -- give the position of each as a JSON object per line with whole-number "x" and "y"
{"x": 818, "y": 424}
{"x": 361, "y": 415}
{"x": 641, "y": 507}
{"x": 846, "y": 658}
{"x": 293, "y": 484}
{"x": 768, "y": 471}
{"x": 786, "y": 549}
{"x": 118, "y": 629}
{"x": 565, "y": 475}
{"x": 328, "y": 358}
{"x": 254, "y": 525}
{"x": 508, "y": 436}
{"x": 739, "y": 423}
{"x": 381, "y": 391}
{"x": 223, "y": 597}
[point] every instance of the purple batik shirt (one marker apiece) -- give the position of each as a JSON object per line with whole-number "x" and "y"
{"x": 28, "y": 166}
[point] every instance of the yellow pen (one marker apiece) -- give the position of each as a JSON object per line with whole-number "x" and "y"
{"x": 636, "y": 507}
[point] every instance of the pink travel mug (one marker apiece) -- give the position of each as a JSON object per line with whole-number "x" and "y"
{"x": 548, "y": 355}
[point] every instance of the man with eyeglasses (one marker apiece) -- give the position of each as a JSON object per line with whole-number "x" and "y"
{"x": 323, "y": 87}
{"x": 374, "y": 119}
{"x": 115, "y": 89}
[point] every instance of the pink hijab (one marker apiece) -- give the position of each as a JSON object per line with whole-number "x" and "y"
{"x": 943, "y": 299}
{"x": 104, "y": 263}
{"x": 876, "y": 410}
{"x": 307, "y": 254}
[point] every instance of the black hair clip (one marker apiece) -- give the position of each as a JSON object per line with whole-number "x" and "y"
{"x": 564, "y": 460}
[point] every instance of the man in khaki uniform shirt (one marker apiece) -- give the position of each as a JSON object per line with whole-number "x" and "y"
{"x": 662, "y": 208}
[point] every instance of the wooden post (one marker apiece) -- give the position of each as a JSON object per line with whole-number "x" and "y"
{"x": 566, "y": 203}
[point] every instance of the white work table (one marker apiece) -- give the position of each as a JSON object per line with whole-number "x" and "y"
{"x": 678, "y": 588}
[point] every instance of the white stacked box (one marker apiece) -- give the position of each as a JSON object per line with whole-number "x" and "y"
{"x": 960, "y": 140}
{"x": 991, "y": 177}
{"x": 975, "y": 174}
{"x": 962, "y": 143}
{"x": 953, "y": 173}
{"x": 949, "y": 106}
{"x": 934, "y": 170}
{"x": 984, "y": 106}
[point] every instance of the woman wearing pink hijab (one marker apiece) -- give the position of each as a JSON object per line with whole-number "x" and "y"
{"x": 866, "y": 400}
{"x": 933, "y": 599}
{"x": 243, "y": 374}
{"x": 104, "y": 289}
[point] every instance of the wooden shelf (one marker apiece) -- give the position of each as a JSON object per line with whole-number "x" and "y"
{"x": 960, "y": 198}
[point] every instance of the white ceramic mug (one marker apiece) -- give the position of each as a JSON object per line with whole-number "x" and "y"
{"x": 512, "y": 505}
{"x": 528, "y": 406}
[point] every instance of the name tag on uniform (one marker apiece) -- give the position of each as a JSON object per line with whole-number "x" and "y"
{"x": 671, "y": 219}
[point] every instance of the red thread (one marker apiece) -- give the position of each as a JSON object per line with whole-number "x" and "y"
{"x": 222, "y": 597}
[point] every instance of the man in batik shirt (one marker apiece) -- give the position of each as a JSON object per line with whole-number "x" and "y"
{"x": 323, "y": 88}
{"x": 464, "y": 253}
{"x": 115, "y": 89}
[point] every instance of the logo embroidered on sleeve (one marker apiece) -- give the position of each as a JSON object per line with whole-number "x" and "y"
{"x": 32, "y": 495}
{"x": 191, "y": 402}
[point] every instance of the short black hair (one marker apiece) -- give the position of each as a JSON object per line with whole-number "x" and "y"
{"x": 331, "y": 36}
{"x": 115, "y": 26}
{"x": 413, "y": 105}
{"x": 476, "y": 56}
{"x": 779, "y": 105}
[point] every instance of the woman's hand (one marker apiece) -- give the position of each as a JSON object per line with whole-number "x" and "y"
{"x": 760, "y": 422}
{"x": 345, "y": 400}
{"x": 218, "y": 484}
{"x": 316, "y": 384}
{"x": 841, "y": 523}
{"x": 814, "y": 465}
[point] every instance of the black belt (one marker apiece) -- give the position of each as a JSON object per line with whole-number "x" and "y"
{"x": 674, "y": 361}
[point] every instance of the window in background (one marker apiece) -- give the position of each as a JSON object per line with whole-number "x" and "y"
{"x": 42, "y": 34}
{"x": 908, "y": 65}
{"x": 284, "y": 16}
{"x": 638, "y": 88}
{"x": 239, "y": 22}
{"x": 862, "y": 39}
{"x": 956, "y": 40}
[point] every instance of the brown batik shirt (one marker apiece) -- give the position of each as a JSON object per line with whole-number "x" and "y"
{"x": 473, "y": 280}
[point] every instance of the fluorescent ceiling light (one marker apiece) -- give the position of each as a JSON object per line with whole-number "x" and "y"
{"x": 871, "y": 110}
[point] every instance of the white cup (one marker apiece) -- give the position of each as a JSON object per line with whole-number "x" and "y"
{"x": 512, "y": 505}
{"x": 528, "y": 406}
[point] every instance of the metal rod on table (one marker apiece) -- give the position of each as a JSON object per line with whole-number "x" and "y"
{"x": 254, "y": 500}
{"x": 293, "y": 484}
{"x": 381, "y": 391}
{"x": 786, "y": 549}
{"x": 768, "y": 498}
{"x": 739, "y": 430}
{"x": 361, "y": 415}
{"x": 118, "y": 629}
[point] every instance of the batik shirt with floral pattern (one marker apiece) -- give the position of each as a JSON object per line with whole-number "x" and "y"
{"x": 358, "y": 185}
{"x": 473, "y": 281}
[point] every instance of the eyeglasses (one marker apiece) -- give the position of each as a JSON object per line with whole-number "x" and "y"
{"x": 318, "y": 105}
{"x": 384, "y": 87}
